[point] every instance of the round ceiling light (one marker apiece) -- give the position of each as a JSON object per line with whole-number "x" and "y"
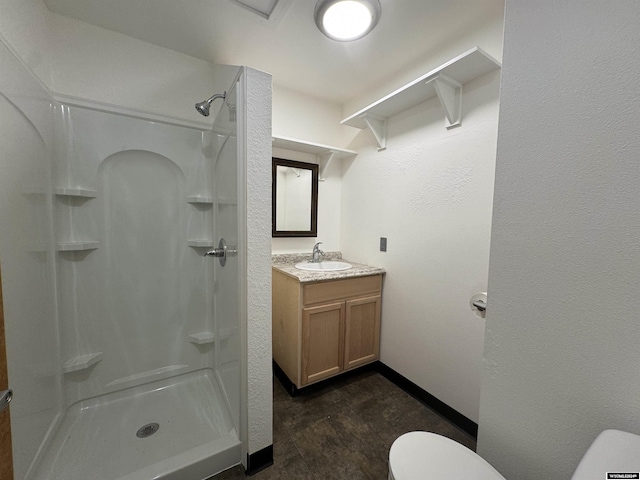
{"x": 346, "y": 20}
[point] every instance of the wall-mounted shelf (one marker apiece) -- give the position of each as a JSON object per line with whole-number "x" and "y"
{"x": 325, "y": 153}
{"x": 200, "y": 199}
{"x": 203, "y": 243}
{"x": 76, "y": 192}
{"x": 202, "y": 338}
{"x": 445, "y": 82}
{"x": 73, "y": 246}
{"x": 82, "y": 362}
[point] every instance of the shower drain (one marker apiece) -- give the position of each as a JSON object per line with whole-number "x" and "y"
{"x": 147, "y": 430}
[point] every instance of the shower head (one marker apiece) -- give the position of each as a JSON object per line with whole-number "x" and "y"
{"x": 203, "y": 107}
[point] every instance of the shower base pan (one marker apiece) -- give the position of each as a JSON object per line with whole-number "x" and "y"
{"x": 173, "y": 429}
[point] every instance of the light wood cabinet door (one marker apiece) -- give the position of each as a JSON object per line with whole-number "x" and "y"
{"x": 362, "y": 331}
{"x": 322, "y": 341}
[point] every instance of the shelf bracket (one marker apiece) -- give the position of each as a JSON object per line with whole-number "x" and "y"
{"x": 449, "y": 93}
{"x": 378, "y": 127}
{"x": 325, "y": 161}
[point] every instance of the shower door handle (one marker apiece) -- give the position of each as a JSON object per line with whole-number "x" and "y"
{"x": 5, "y": 398}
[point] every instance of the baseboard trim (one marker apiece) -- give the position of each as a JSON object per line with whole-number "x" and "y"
{"x": 294, "y": 391}
{"x": 259, "y": 460}
{"x": 288, "y": 385}
{"x": 453, "y": 416}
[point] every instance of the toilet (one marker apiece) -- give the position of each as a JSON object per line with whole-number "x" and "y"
{"x": 428, "y": 456}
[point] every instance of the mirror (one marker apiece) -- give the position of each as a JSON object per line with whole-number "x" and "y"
{"x": 294, "y": 189}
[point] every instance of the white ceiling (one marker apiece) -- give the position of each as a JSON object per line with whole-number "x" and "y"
{"x": 284, "y": 40}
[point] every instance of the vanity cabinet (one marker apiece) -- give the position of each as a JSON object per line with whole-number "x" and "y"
{"x": 321, "y": 329}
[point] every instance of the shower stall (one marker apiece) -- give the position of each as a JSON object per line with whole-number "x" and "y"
{"x": 124, "y": 339}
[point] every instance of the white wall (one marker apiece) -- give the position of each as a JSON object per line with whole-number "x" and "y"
{"x": 93, "y": 63}
{"x": 303, "y": 117}
{"x": 561, "y": 356}
{"x": 76, "y": 60}
{"x": 429, "y": 193}
{"x": 306, "y": 118}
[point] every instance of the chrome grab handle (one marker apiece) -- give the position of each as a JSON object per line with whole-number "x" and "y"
{"x": 5, "y": 398}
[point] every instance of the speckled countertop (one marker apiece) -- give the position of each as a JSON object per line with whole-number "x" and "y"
{"x": 285, "y": 263}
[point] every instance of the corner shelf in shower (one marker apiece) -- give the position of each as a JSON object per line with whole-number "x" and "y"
{"x": 445, "y": 82}
{"x": 82, "y": 362}
{"x": 200, "y": 200}
{"x": 202, "y": 338}
{"x": 75, "y": 246}
{"x": 205, "y": 243}
{"x": 76, "y": 192}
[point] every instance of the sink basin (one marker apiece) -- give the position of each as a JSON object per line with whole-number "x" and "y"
{"x": 327, "y": 266}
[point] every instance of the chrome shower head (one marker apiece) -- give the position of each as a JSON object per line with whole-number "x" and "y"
{"x": 203, "y": 107}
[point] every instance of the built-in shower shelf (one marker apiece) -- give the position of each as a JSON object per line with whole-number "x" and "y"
{"x": 82, "y": 362}
{"x": 205, "y": 243}
{"x": 444, "y": 82}
{"x": 76, "y": 192}
{"x": 202, "y": 338}
{"x": 200, "y": 199}
{"x": 74, "y": 246}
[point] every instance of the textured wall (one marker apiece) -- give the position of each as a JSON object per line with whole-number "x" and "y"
{"x": 430, "y": 194}
{"x": 561, "y": 353}
{"x": 258, "y": 240}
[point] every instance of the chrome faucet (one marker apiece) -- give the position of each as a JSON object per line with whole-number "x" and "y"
{"x": 315, "y": 255}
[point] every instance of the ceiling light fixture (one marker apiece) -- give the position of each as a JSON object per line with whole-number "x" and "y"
{"x": 346, "y": 20}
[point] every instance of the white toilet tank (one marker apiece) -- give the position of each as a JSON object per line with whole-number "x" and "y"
{"x": 612, "y": 455}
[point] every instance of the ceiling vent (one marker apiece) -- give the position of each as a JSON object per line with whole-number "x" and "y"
{"x": 263, "y": 8}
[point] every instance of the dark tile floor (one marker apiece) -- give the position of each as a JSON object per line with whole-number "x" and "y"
{"x": 344, "y": 430}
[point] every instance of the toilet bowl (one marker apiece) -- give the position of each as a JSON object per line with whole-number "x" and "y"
{"x": 428, "y": 456}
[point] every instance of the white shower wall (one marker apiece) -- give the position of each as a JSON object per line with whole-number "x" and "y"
{"x": 131, "y": 288}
